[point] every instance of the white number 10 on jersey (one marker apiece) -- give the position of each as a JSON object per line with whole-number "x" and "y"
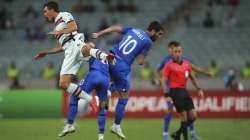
{"x": 128, "y": 45}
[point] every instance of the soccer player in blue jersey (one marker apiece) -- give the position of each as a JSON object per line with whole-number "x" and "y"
{"x": 97, "y": 79}
{"x": 168, "y": 114}
{"x": 135, "y": 43}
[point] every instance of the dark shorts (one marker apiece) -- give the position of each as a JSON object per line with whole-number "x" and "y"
{"x": 182, "y": 100}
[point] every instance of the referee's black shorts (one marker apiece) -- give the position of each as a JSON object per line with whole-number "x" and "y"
{"x": 182, "y": 100}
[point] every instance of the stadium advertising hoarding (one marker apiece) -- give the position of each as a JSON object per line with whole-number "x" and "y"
{"x": 151, "y": 104}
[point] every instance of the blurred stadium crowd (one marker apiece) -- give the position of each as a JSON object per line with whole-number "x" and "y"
{"x": 214, "y": 33}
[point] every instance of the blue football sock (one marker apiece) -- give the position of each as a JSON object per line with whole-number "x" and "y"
{"x": 191, "y": 127}
{"x": 120, "y": 109}
{"x": 167, "y": 119}
{"x": 102, "y": 120}
{"x": 73, "y": 106}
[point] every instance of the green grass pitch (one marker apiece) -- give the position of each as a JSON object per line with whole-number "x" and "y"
{"x": 135, "y": 129}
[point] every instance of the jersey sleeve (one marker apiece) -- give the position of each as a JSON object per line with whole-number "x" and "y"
{"x": 146, "y": 49}
{"x": 68, "y": 17}
{"x": 164, "y": 61}
{"x": 166, "y": 70}
{"x": 125, "y": 29}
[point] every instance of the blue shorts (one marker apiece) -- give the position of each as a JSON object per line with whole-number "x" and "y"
{"x": 96, "y": 80}
{"x": 120, "y": 74}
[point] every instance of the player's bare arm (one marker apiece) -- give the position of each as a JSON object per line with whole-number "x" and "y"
{"x": 196, "y": 84}
{"x": 54, "y": 50}
{"x": 200, "y": 70}
{"x": 157, "y": 76}
{"x": 163, "y": 83}
{"x": 71, "y": 27}
{"x": 141, "y": 59}
{"x": 113, "y": 28}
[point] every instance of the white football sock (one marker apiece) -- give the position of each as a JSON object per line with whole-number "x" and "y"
{"x": 98, "y": 54}
{"x": 72, "y": 88}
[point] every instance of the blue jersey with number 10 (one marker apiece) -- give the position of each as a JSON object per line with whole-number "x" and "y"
{"x": 134, "y": 42}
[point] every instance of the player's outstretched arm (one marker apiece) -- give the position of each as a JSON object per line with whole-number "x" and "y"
{"x": 113, "y": 28}
{"x": 201, "y": 70}
{"x": 54, "y": 50}
{"x": 163, "y": 84}
{"x": 157, "y": 76}
{"x": 196, "y": 84}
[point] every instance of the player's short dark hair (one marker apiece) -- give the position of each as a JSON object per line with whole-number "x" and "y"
{"x": 155, "y": 25}
{"x": 174, "y": 44}
{"x": 52, "y": 5}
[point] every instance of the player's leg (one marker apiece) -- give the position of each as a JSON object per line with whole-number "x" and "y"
{"x": 102, "y": 90}
{"x": 178, "y": 97}
{"x": 121, "y": 85}
{"x": 70, "y": 66}
{"x": 192, "y": 115}
{"x": 69, "y": 127}
{"x": 89, "y": 50}
{"x": 119, "y": 114}
{"x": 167, "y": 118}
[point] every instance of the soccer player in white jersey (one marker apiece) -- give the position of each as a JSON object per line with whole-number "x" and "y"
{"x": 72, "y": 43}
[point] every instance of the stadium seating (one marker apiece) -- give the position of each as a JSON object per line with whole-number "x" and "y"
{"x": 229, "y": 47}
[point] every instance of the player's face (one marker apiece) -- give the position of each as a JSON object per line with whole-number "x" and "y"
{"x": 177, "y": 52}
{"x": 156, "y": 35}
{"x": 48, "y": 14}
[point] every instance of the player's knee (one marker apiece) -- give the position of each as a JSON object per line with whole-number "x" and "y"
{"x": 123, "y": 95}
{"x": 168, "y": 110}
{"x": 104, "y": 105}
{"x": 64, "y": 85}
{"x": 85, "y": 50}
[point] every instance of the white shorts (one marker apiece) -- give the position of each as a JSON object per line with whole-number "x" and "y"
{"x": 73, "y": 57}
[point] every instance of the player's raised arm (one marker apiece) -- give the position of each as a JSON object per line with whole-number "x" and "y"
{"x": 54, "y": 50}
{"x": 113, "y": 28}
{"x": 196, "y": 84}
{"x": 200, "y": 70}
{"x": 71, "y": 27}
{"x": 163, "y": 84}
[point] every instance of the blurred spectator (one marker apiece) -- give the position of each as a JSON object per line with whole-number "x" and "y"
{"x": 213, "y": 69}
{"x": 231, "y": 82}
{"x": 6, "y": 20}
{"x": 230, "y": 20}
{"x": 103, "y": 24}
{"x": 131, "y": 7}
{"x": 208, "y": 22}
{"x": 146, "y": 72}
{"x": 13, "y": 74}
{"x": 33, "y": 30}
{"x": 245, "y": 71}
{"x": 188, "y": 18}
{"x": 48, "y": 71}
{"x": 120, "y": 6}
{"x": 109, "y": 5}
{"x": 84, "y": 6}
{"x": 234, "y": 3}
